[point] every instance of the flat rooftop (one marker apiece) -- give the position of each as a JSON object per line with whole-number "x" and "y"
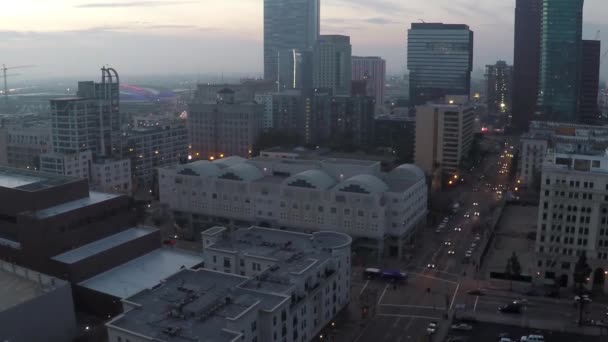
{"x": 142, "y": 273}
{"x": 15, "y": 290}
{"x": 193, "y": 305}
{"x": 96, "y": 247}
{"x": 293, "y": 253}
{"x": 93, "y": 198}
{"x": 30, "y": 181}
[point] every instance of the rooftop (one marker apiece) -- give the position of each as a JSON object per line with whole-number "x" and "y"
{"x": 94, "y": 198}
{"x": 193, "y": 305}
{"x": 144, "y": 272}
{"x": 30, "y": 181}
{"x": 98, "y": 246}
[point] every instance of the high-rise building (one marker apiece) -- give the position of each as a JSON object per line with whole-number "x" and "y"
{"x": 372, "y": 70}
{"x": 397, "y": 134}
{"x": 444, "y": 133}
{"x": 560, "y": 61}
{"x": 499, "y": 79}
{"x": 440, "y": 61}
{"x": 288, "y": 24}
{"x": 589, "y": 111}
{"x": 295, "y": 69}
{"x": 526, "y": 62}
{"x": 332, "y": 66}
{"x": 224, "y": 127}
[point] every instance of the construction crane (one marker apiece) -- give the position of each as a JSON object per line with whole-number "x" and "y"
{"x": 5, "y": 75}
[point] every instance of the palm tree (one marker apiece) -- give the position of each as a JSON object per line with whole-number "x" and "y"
{"x": 513, "y": 269}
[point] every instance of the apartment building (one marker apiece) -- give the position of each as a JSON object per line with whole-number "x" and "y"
{"x": 340, "y": 195}
{"x": 258, "y": 285}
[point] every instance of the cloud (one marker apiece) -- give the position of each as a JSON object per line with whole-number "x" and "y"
{"x": 380, "y": 6}
{"x": 132, "y": 4}
{"x": 380, "y": 21}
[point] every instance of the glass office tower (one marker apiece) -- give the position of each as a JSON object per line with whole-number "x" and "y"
{"x": 288, "y": 24}
{"x": 440, "y": 61}
{"x": 560, "y": 59}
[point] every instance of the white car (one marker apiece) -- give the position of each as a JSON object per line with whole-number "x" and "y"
{"x": 477, "y": 237}
{"x": 462, "y": 326}
{"x": 473, "y": 245}
{"x": 532, "y": 338}
{"x": 432, "y": 328}
{"x": 468, "y": 254}
{"x": 585, "y": 298}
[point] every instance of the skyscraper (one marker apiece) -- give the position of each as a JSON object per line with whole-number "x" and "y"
{"x": 589, "y": 111}
{"x": 560, "y": 62}
{"x": 332, "y": 66}
{"x": 499, "y": 78}
{"x": 295, "y": 69}
{"x": 440, "y": 61}
{"x": 526, "y": 62}
{"x": 373, "y": 71}
{"x": 288, "y": 24}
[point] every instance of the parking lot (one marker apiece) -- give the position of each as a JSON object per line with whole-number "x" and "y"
{"x": 487, "y": 332}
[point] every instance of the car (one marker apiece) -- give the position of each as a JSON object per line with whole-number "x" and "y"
{"x": 476, "y": 213}
{"x": 475, "y": 189}
{"x": 532, "y": 338}
{"x": 476, "y": 292}
{"x": 458, "y": 229}
{"x": 430, "y": 266}
{"x": 169, "y": 242}
{"x": 431, "y": 328}
{"x": 448, "y": 243}
{"x": 473, "y": 245}
{"x": 505, "y": 339}
{"x": 510, "y": 308}
{"x": 477, "y": 237}
{"x": 462, "y": 326}
{"x": 445, "y": 220}
{"x": 441, "y": 226}
{"x": 522, "y": 301}
{"x": 585, "y": 299}
{"x": 451, "y": 252}
{"x": 438, "y": 230}
{"x": 467, "y": 215}
{"x": 475, "y": 204}
{"x": 468, "y": 254}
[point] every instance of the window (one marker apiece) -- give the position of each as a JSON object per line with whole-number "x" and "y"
{"x": 242, "y": 262}
{"x": 227, "y": 262}
{"x": 253, "y": 326}
{"x": 214, "y": 259}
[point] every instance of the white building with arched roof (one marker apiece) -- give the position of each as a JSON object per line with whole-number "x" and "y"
{"x": 341, "y": 195}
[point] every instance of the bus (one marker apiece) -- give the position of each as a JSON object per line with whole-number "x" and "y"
{"x": 389, "y": 275}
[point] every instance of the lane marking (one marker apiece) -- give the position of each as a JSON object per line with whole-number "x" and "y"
{"x": 364, "y": 329}
{"x": 454, "y": 297}
{"x": 430, "y": 277}
{"x": 407, "y": 306}
{"x": 409, "y": 316}
{"x": 364, "y": 286}
{"x": 383, "y": 293}
{"x": 475, "y": 306}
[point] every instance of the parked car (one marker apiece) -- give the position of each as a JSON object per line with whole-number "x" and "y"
{"x": 532, "y": 338}
{"x": 432, "y": 328}
{"x": 462, "y": 326}
{"x": 513, "y": 308}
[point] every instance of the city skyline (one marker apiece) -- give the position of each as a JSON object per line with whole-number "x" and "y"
{"x": 203, "y": 37}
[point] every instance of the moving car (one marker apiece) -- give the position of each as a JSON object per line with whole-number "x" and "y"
{"x": 467, "y": 215}
{"x": 532, "y": 338}
{"x": 448, "y": 243}
{"x": 432, "y": 328}
{"x": 476, "y": 213}
{"x": 462, "y": 326}
{"x": 513, "y": 308}
{"x": 458, "y": 229}
{"x": 430, "y": 265}
{"x": 585, "y": 299}
{"x": 450, "y": 252}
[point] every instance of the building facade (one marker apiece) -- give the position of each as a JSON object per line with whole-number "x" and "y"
{"x": 21, "y": 144}
{"x": 589, "y": 111}
{"x": 444, "y": 133}
{"x": 295, "y": 69}
{"x": 224, "y": 127}
{"x": 397, "y": 135}
{"x": 440, "y": 61}
{"x": 288, "y": 24}
{"x": 572, "y": 217}
{"x": 332, "y": 66}
{"x": 560, "y": 62}
{"x": 499, "y": 78}
{"x": 348, "y": 196}
{"x": 526, "y": 62}
{"x": 269, "y": 285}
{"x": 372, "y": 70}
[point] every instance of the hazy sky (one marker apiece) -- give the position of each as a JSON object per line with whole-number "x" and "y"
{"x": 75, "y": 37}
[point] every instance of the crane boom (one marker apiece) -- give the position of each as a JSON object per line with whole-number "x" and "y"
{"x": 5, "y": 75}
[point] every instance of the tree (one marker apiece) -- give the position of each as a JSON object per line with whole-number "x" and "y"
{"x": 582, "y": 270}
{"x": 513, "y": 269}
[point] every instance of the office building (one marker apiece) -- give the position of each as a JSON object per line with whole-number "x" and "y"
{"x": 499, "y": 78}
{"x": 589, "y": 111}
{"x": 111, "y": 175}
{"x": 244, "y": 91}
{"x": 526, "y": 62}
{"x": 22, "y": 143}
{"x": 572, "y": 217}
{"x": 295, "y": 69}
{"x": 288, "y": 24}
{"x": 332, "y": 66}
{"x": 440, "y": 61}
{"x": 281, "y": 190}
{"x": 372, "y": 70}
{"x": 34, "y": 306}
{"x": 396, "y": 135}
{"x": 560, "y": 62}
{"x": 444, "y": 133}
{"x": 162, "y": 141}
{"x": 223, "y": 127}
{"x": 36, "y": 203}
{"x": 545, "y": 135}
{"x": 266, "y": 100}
{"x": 269, "y": 285}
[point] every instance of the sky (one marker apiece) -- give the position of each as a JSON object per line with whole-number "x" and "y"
{"x": 137, "y": 37}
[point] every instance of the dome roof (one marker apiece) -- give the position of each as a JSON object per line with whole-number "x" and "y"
{"x": 313, "y": 179}
{"x": 368, "y": 184}
{"x": 200, "y": 168}
{"x": 242, "y": 172}
{"x": 409, "y": 171}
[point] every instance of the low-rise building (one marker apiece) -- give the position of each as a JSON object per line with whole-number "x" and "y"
{"x": 22, "y": 143}
{"x": 111, "y": 175}
{"x": 341, "y": 195}
{"x": 34, "y": 306}
{"x": 572, "y": 217}
{"x": 270, "y": 285}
